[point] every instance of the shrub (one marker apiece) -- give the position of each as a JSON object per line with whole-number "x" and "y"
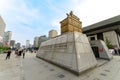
{"x": 108, "y": 43}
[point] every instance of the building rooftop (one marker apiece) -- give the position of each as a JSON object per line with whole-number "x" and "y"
{"x": 108, "y": 24}
{"x": 110, "y": 21}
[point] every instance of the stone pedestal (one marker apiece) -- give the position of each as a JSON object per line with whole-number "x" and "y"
{"x": 71, "y": 51}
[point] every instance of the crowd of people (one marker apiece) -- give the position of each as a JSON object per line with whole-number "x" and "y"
{"x": 22, "y": 52}
{"x": 18, "y": 53}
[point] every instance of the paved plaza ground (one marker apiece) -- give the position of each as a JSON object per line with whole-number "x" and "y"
{"x": 32, "y": 68}
{"x": 10, "y": 69}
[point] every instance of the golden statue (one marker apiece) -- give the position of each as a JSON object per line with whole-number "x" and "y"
{"x": 71, "y": 24}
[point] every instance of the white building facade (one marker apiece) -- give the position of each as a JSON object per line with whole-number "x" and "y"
{"x": 36, "y": 41}
{"x": 27, "y": 43}
{"x": 2, "y": 27}
{"x": 7, "y": 38}
{"x": 12, "y": 43}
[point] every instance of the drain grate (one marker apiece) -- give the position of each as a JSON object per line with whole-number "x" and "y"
{"x": 118, "y": 61}
{"x": 96, "y": 79}
{"x": 61, "y": 76}
{"x": 103, "y": 74}
{"x": 51, "y": 69}
{"x": 46, "y": 65}
{"x": 40, "y": 72}
{"x": 107, "y": 70}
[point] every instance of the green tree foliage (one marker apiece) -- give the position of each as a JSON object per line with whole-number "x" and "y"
{"x": 108, "y": 43}
{"x": 36, "y": 48}
{"x": 3, "y": 48}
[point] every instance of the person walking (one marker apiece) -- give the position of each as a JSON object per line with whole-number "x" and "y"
{"x": 23, "y": 54}
{"x": 119, "y": 51}
{"x": 16, "y": 53}
{"x": 8, "y": 54}
{"x": 115, "y": 50}
{"x": 19, "y": 53}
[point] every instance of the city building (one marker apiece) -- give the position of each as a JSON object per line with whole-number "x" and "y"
{"x": 12, "y": 43}
{"x": 1, "y": 41}
{"x": 23, "y": 46}
{"x": 52, "y": 33}
{"x": 2, "y": 27}
{"x": 7, "y": 38}
{"x": 27, "y": 43}
{"x": 18, "y": 45}
{"x": 42, "y": 39}
{"x": 107, "y": 29}
{"x": 36, "y": 42}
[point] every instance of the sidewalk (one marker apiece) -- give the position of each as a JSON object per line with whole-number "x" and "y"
{"x": 10, "y": 69}
{"x": 37, "y": 69}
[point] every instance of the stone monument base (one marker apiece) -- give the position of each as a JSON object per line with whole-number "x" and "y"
{"x": 70, "y": 50}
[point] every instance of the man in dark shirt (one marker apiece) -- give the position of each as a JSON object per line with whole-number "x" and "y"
{"x": 119, "y": 51}
{"x": 8, "y": 55}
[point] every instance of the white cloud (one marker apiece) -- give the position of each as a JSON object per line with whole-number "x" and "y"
{"x": 56, "y": 25}
{"x": 89, "y": 11}
{"x": 19, "y": 17}
{"x": 5, "y": 5}
{"x": 18, "y": 11}
{"x": 92, "y": 11}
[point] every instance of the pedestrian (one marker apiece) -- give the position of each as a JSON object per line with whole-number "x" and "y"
{"x": 16, "y": 53}
{"x": 19, "y": 53}
{"x": 8, "y": 54}
{"x": 115, "y": 50}
{"x": 119, "y": 51}
{"x": 23, "y": 53}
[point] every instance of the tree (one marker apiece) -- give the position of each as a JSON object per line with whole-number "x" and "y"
{"x": 108, "y": 43}
{"x": 36, "y": 48}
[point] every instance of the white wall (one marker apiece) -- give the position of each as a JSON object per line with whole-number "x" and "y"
{"x": 112, "y": 36}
